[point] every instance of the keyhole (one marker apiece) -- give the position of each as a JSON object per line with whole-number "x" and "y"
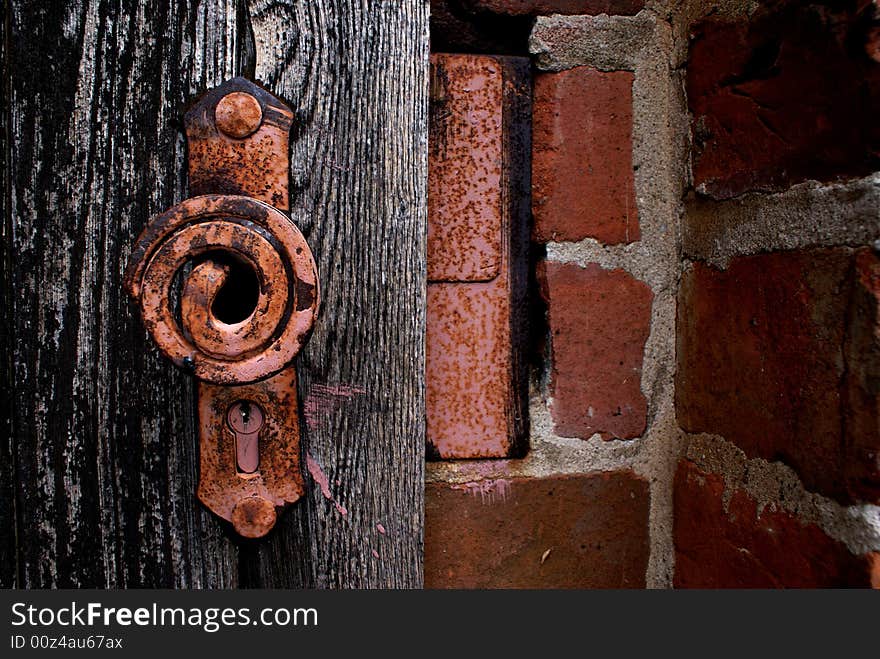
{"x": 244, "y": 409}
{"x": 238, "y": 297}
{"x": 245, "y": 419}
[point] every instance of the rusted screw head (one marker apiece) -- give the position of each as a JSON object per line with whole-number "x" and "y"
{"x": 253, "y": 517}
{"x": 238, "y": 114}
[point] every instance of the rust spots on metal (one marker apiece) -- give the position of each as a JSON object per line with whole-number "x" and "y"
{"x": 278, "y": 477}
{"x": 261, "y": 237}
{"x": 238, "y": 115}
{"x": 248, "y": 415}
{"x": 464, "y": 181}
{"x": 474, "y": 396}
{"x": 305, "y": 294}
{"x": 221, "y": 161}
{"x": 253, "y": 517}
{"x": 468, "y": 369}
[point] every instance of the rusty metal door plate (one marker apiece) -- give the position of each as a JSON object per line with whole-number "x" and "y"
{"x": 478, "y": 208}
{"x": 248, "y": 296}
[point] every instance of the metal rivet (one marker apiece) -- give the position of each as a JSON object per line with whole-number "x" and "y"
{"x": 238, "y": 115}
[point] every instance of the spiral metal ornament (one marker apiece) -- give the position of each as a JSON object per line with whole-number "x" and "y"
{"x": 255, "y": 234}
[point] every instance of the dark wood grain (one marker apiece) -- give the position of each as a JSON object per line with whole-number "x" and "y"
{"x": 7, "y": 488}
{"x": 356, "y": 75}
{"x": 102, "y": 450}
{"x": 104, "y": 439}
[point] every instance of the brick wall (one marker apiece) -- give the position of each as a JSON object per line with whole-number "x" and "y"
{"x": 777, "y": 328}
{"x": 706, "y": 342}
{"x": 590, "y": 504}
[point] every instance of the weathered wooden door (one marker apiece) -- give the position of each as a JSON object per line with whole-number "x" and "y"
{"x": 99, "y": 451}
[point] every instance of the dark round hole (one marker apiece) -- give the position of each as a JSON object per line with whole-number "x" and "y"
{"x": 238, "y": 297}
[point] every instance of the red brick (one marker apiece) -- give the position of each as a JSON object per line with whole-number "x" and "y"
{"x": 544, "y": 7}
{"x": 582, "y": 172}
{"x": 764, "y": 361}
{"x": 599, "y": 323}
{"x": 783, "y": 96}
{"x": 736, "y": 546}
{"x": 495, "y": 534}
{"x": 862, "y": 403}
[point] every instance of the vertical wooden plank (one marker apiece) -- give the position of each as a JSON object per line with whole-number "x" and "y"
{"x": 356, "y": 74}
{"x": 103, "y": 439}
{"x": 7, "y": 487}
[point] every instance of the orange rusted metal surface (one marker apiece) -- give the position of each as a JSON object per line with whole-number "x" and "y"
{"x": 249, "y": 421}
{"x": 465, "y": 198}
{"x": 468, "y": 380}
{"x": 476, "y": 257}
{"x": 223, "y": 485}
{"x": 238, "y": 114}
{"x": 253, "y": 165}
{"x": 253, "y": 232}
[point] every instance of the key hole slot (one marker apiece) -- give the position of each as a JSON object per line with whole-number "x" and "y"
{"x": 238, "y": 298}
{"x": 245, "y": 419}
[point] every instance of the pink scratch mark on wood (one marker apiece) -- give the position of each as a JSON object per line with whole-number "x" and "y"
{"x": 489, "y": 491}
{"x": 323, "y": 482}
{"x": 374, "y": 553}
{"x": 380, "y": 528}
{"x": 325, "y": 399}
